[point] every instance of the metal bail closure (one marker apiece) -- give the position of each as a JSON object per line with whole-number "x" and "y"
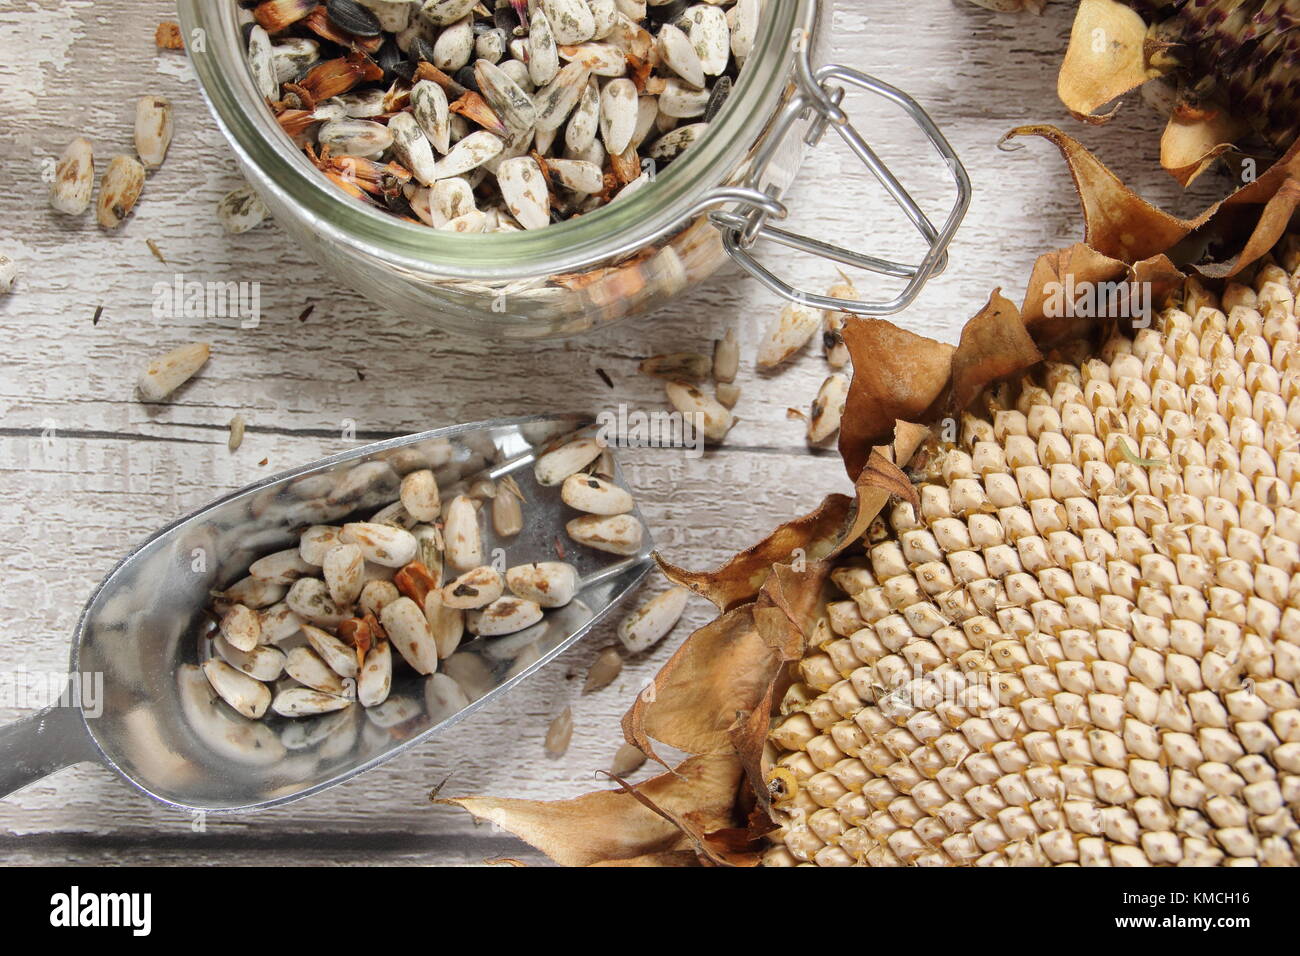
{"x": 753, "y": 206}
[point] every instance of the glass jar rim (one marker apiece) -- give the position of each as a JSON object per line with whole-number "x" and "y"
{"x": 622, "y": 227}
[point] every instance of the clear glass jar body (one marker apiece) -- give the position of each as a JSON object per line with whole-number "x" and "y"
{"x": 625, "y": 259}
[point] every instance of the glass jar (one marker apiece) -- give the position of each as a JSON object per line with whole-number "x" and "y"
{"x": 714, "y": 202}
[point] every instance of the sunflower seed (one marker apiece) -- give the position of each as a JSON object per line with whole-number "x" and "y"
{"x": 376, "y": 595}
{"x": 261, "y": 663}
{"x": 604, "y": 670}
{"x": 282, "y": 567}
{"x": 689, "y": 366}
{"x": 710, "y": 36}
{"x": 253, "y": 593}
{"x": 679, "y": 54}
{"x": 524, "y": 189}
{"x": 306, "y": 667}
{"x": 74, "y": 178}
{"x": 507, "y": 513}
{"x": 605, "y": 15}
{"x": 557, "y": 100}
{"x": 354, "y": 137}
{"x": 376, "y": 676}
{"x": 788, "y": 334}
{"x": 543, "y": 54}
{"x": 393, "y": 15}
{"x": 278, "y": 623}
{"x": 505, "y": 615}
{"x": 559, "y": 734}
{"x": 261, "y": 63}
{"x": 571, "y": 20}
{"x": 650, "y": 623}
{"x": 454, "y": 47}
{"x": 584, "y": 122}
{"x": 169, "y": 372}
{"x": 430, "y": 107}
{"x": 420, "y": 493}
{"x": 317, "y": 541}
{"x": 474, "y": 589}
{"x": 309, "y": 598}
{"x": 565, "y": 459}
{"x": 693, "y": 402}
{"x": 352, "y": 17}
{"x": 446, "y": 624}
{"x": 429, "y": 539}
{"x": 627, "y": 760}
{"x": 675, "y": 142}
{"x": 743, "y": 22}
{"x": 595, "y": 495}
{"x": 119, "y": 189}
{"x": 680, "y": 101}
{"x": 409, "y": 631}
{"x": 305, "y": 702}
{"x": 340, "y": 658}
{"x": 726, "y": 357}
{"x": 579, "y": 176}
{"x": 344, "y": 569}
{"x": 618, "y": 114}
{"x": 615, "y": 534}
{"x": 241, "y": 627}
{"x": 247, "y": 696}
{"x": 469, "y": 153}
{"x": 512, "y": 104}
{"x": 240, "y": 210}
{"x": 443, "y": 12}
{"x": 547, "y": 583}
{"x": 413, "y": 149}
{"x": 461, "y": 535}
{"x": 603, "y": 59}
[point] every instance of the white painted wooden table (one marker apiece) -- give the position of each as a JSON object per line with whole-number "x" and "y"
{"x": 88, "y": 471}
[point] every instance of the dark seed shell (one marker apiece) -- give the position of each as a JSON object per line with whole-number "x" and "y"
{"x": 721, "y": 90}
{"x": 421, "y": 49}
{"x": 466, "y": 78}
{"x": 405, "y": 69}
{"x": 353, "y": 17}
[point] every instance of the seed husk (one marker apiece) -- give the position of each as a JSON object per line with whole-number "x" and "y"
{"x": 793, "y": 327}
{"x": 674, "y": 366}
{"x": 169, "y": 372}
{"x": 627, "y": 760}
{"x": 828, "y": 408}
{"x": 305, "y": 702}
{"x": 604, "y": 670}
{"x": 119, "y": 189}
{"x": 474, "y": 589}
{"x": 462, "y": 539}
{"x": 560, "y": 733}
{"x": 236, "y": 426}
{"x": 409, "y": 631}
{"x": 74, "y": 178}
{"x": 376, "y": 677}
{"x": 543, "y": 55}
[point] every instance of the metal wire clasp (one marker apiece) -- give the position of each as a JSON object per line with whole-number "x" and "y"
{"x": 752, "y": 206}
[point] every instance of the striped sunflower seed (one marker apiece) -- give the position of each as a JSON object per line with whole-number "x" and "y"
{"x": 119, "y": 189}
{"x": 571, "y": 20}
{"x": 524, "y": 189}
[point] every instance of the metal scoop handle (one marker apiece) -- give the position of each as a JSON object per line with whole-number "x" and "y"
{"x": 41, "y": 743}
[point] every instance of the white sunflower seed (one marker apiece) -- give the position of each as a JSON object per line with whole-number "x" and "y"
{"x": 382, "y": 544}
{"x": 505, "y": 615}
{"x": 603, "y": 59}
{"x": 571, "y": 20}
{"x": 443, "y": 12}
{"x": 413, "y": 149}
{"x": 647, "y": 114}
{"x": 292, "y": 56}
{"x": 340, "y": 658}
{"x": 454, "y": 46}
{"x": 563, "y": 460}
{"x": 278, "y": 624}
{"x": 788, "y": 334}
{"x": 420, "y": 495}
{"x": 469, "y": 153}
{"x": 254, "y": 593}
{"x": 618, "y": 114}
{"x": 605, "y": 15}
{"x": 507, "y": 514}
{"x": 650, "y": 623}
{"x": 727, "y": 393}
{"x": 711, "y": 37}
{"x": 574, "y": 174}
{"x": 627, "y": 760}
{"x": 344, "y": 570}
{"x": 356, "y": 137}
{"x": 241, "y": 627}
{"x": 432, "y": 111}
{"x": 692, "y": 401}
{"x": 675, "y": 142}
{"x": 317, "y": 541}
{"x": 680, "y": 101}
{"x": 543, "y": 54}
{"x": 595, "y": 495}
{"x": 828, "y": 408}
{"x": 119, "y": 189}
{"x": 261, "y": 63}
{"x": 547, "y": 583}
{"x": 261, "y": 663}
{"x": 408, "y": 629}
{"x": 677, "y": 51}
{"x": 504, "y": 95}
{"x": 240, "y": 210}
{"x": 604, "y": 670}
{"x": 306, "y": 667}
{"x": 446, "y": 624}
{"x": 524, "y": 189}
{"x": 726, "y": 357}
{"x": 236, "y": 426}
{"x": 743, "y": 21}
{"x": 584, "y": 123}
{"x": 153, "y": 129}
{"x": 169, "y": 372}
{"x": 615, "y": 534}
{"x": 247, "y": 696}
{"x": 305, "y": 702}
{"x": 463, "y": 541}
{"x": 376, "y": 677}
{"x": 490, "y": 45}
{"x": 556, "y": 100}
{"x": 282, "y": 567}
{"x": 310, "y": 599}
{"x": 429, "y": 539}
{"x": 376, "y": 595}
{"x": 475, "y": 588}
{"x": 74, "y": 178}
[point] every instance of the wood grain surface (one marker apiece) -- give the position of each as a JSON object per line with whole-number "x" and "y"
{"x": 88, "y": 470}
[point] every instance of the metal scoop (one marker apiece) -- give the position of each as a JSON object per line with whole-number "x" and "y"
{"x": 162, "y": 728}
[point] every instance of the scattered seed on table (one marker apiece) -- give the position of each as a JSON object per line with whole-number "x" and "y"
{"x": 240, "y": 210}
{"x": 236, "y": 432}
{"x": 157, "y": 253}
{"x": 167, "y": 373}
{"x": 8, "y": 274}
{"x": 604, "y": 670}
{"x": 119, "y": 190}
{"x": 74, "y": 178}
{"x": 559, "y": 733}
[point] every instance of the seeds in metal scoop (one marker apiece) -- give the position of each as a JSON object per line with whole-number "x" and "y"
{"x": 548, "y": 583}
{"x": 595, "y": 495}
{"x": 650, "y": 623}
{"x": 261, "y": 663}
{"x": 282, "y": 567}
{"x": 687, "y": 366}
{"x": 524, "y": 189}
{"x": 153, "y": 129}
{"x": 306, "y": 667}
{"x": 169, "y": 372}
{"x": 571, "y": 20}
{"x": 248, "y": 696}
{"x": 316, "y": 542}
{"x": 677, "y": 51}
{"x": 604, "y": 670}
{"x": 119, "y": 190}
{"x": 241, "y": 627}
{"x": 344, "y": 570}
{"x": 470, "y": 153}
{"x": 74, "y": 178}
{"x": 310, "y": 599}
{"x": 788, "y": 334}
{"x": 508, "y": 512}
{"x": 505, "y": 615}
{"x": 714, "y": 417}
{"x": 615, "y": 534}
{"x": 420, "y": 495}
{"x": 305, "y": 702}
{"x": 340, "y": 658}
{"x": 558, "y": 463}
{"x": 560, "y": 733}
{"x": 382, "y": 544}
{"x": 240, "y": 210}
{"x": 828, "y": 408}
{"x": 474, "y": 589}
{"x": 408, "y": 629}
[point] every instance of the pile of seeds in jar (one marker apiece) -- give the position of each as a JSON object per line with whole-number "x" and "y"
{"x": 312, "y": 629}
{"x": 496, "y": 115}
